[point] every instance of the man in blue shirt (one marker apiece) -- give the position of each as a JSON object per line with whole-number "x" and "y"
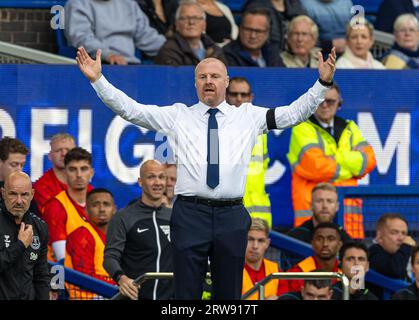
{"x": 332, "y": 18}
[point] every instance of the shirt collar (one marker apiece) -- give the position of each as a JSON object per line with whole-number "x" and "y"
{"x": 224, "y": 107}
{"x": 325, "y": 124}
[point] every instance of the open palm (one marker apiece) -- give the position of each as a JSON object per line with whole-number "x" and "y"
{"x": 327, "y": 68}
{"x": 92, "y": 69}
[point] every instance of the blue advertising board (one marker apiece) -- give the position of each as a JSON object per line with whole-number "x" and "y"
{"x": 38, "y": 101}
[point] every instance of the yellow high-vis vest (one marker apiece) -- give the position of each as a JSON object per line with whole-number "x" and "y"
{"x": 256, "y": 200}
{"x": 315, "y": 157}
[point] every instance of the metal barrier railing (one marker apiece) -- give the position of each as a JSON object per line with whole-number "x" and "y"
{"x": 86, "y": 282}
{"x": 12, "y": 53}
{"x": 143, "y": 278}
{"x": 283, "y": 242}
{"x": 260, "y": 286}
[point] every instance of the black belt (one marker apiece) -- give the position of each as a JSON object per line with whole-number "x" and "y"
{"x": 212, "y": 202}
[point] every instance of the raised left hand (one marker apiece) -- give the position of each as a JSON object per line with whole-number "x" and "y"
{"x": 327, "y": 68}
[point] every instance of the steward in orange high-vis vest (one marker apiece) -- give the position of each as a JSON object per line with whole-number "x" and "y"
{"x": 327, "y": 148}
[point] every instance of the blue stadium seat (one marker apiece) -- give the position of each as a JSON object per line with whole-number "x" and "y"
{"x": 39, "y": 4}
{"x": 63, "y": 48}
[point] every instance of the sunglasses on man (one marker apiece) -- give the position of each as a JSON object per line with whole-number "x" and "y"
{"x": 236, "y": 94}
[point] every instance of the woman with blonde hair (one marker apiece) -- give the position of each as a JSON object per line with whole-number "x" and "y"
{"x": 359, "y": 40}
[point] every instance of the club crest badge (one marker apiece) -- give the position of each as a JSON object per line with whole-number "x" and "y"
{"x": 36, "y": 244}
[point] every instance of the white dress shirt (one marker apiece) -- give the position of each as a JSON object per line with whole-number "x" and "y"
{"x": 186, "y": 130}
{"x": 326, "y": 125}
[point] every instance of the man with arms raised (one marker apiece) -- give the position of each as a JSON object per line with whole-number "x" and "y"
{"x": 212, "y": 143}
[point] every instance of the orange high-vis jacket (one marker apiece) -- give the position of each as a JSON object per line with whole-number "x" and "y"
{"x": 316, "y": 157}
{"x": 74, "y": 221}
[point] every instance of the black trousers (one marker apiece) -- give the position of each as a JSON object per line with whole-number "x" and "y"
{"x": 199, "y": 231}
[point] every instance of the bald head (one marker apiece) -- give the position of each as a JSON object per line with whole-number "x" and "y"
{"x": 152, "y": 181}
{"x": 17, "y": 193}
{"x": 211, "y": 81}
{"x": 212, "y": 62}
{"x": 17, "y": 177}
{"x": 150, "y": 165}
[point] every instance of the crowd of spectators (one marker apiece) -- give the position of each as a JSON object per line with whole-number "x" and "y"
{"x": 265, "y": 33}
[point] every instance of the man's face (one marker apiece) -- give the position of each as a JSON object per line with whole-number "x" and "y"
{"x": 391, "y": 236}
{"x": 310, "y": 292}
{"x": 59, "y": 148}
{"x": 78, "y": 174}
{"x": 326, "y": 243}
{"x": 191, "y": 23}
{"x": 153, "y": 182}
{"x": 238, "y": 92}
{"x": 17, "y": 195}
{"x": 211, "y": 81}
{"x": 254, "y": 31}
{"x": 257, "y": 244}
{"x": 324, "y": 204}
{"x": 15, "y": 162}
{"x": 301, "y": 39}
{"x": 100, "y": 207}
{"x": 354, "y": 257}
{"x": 327, "y": 109}
{"x": 171, "y": 181}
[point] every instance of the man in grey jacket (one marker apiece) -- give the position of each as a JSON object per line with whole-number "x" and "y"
{"x": 138, "y": 239}
{"x": 117, "y": 27}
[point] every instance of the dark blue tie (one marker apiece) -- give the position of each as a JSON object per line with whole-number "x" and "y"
{"x": 329, "y": 129}
{"x": 213, "y": 168}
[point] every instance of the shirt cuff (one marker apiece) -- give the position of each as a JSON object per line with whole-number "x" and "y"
{"x": 325, "y": 83}
{"x": 117, "y": 275}
{"x": 100, "y": 84}
{"x": 318, "y": 89}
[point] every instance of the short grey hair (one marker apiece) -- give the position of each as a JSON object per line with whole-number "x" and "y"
{"x": 185, "y": 3}
{"x": 300, "y": 18}
{"x": 404, "y": 19}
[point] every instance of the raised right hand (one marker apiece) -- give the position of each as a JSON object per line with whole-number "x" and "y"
{"x": 92, "y": 69}
{"x": 25, "y": 234}
{"x": 128, "y": 288}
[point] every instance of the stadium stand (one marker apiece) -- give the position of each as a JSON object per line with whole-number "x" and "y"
{"x": 376, "y": 200}
{"x": 382, "y": 44}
